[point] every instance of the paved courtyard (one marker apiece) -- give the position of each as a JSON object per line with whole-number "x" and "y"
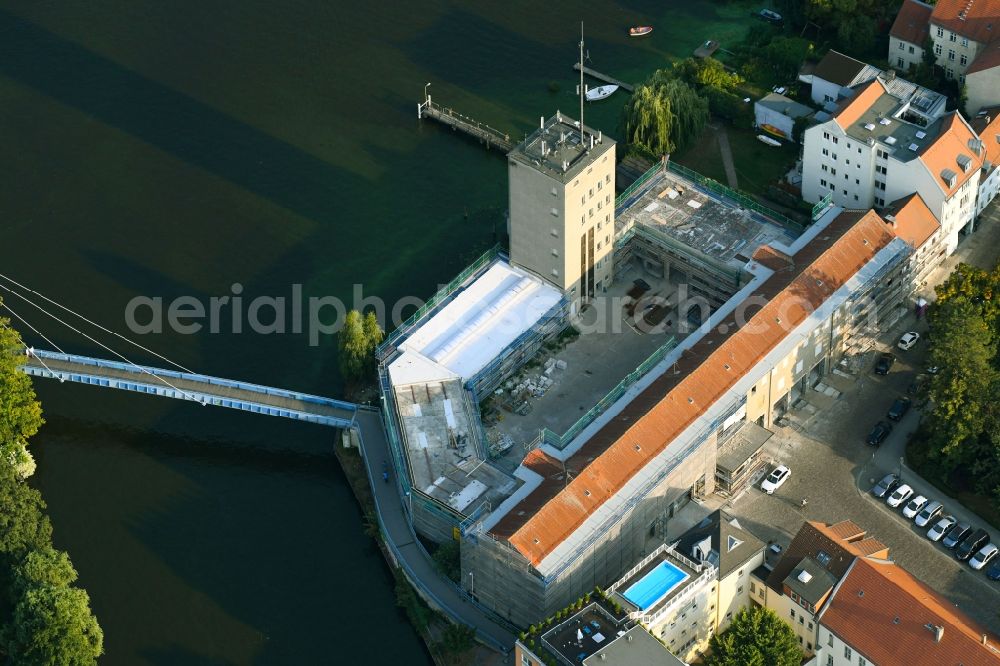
{"x": 834, "y": 469}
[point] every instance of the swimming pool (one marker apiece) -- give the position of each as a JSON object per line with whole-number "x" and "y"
{"x": 655, "y": 585}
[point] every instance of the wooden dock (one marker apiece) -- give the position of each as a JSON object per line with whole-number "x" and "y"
{"x": 604, "y": 77}
{"x": 461, "y": 123}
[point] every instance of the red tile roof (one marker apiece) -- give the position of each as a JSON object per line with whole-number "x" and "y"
{"x": 988, "y": 58}
{"x": 888, "y": 616}
{"x": 979, "y": 20}
{"x": 673, "y": 402}
{"x": 854, "y": 107}
{"x": 990, "y": 135}
{"x": 951, "y": 141}
{"x": 912, "y": 219}
{"x": 911, "y": 22}
{"x": 842, "y": 541}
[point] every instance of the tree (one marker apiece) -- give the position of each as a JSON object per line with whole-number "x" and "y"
{"x": 43, "y": 567}
{"x": 54, "y": 626}
{"x": 664, "y": 114}
{"x": 707, "y": 72}
{"x": 373, "y": 335}
{"x": 456, "y": 639}
{"x": 856, "y": 33}
{"x": 756, "y": 637}
{"x": 20, "y": 412}
{"x": 447, "y": 559}
{"x": 23, "y": 523}
{"x": 786, "y": 55}
{"x": 963, "y": 347}
{"x": 352, "y": 346}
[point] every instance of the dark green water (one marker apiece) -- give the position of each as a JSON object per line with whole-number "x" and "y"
{"x": 168, "y": 149}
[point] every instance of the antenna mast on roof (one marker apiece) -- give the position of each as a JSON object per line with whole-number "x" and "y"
{"x": 582, "y": 93}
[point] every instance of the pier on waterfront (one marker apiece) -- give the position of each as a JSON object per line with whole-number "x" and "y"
{"x": 593, "y": 73}
{"x": 462, "y": 123}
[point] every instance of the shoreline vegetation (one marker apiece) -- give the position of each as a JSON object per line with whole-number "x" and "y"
{"x": 44, "y": 618}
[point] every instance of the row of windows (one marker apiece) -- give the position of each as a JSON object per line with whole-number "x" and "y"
{"x": 607, "y": 178}
{"x": 901, "y": 47}
{"x": 952, "y": 36}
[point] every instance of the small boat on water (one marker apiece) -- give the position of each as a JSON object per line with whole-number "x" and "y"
{"x": 640, "y": 30}
{"x": 770, "y": 16}
{"x": 763, "y": 138}
{"x": 600, "y": 92}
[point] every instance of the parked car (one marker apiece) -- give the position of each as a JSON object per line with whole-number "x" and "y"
{"x": 993, "y": 573}
{"x": 956, "y": 534}
{"x": 899, "y": 495}
{"x": 941, "y": 527}
{"x": 971, "y": 543}
{"x": 774, "y": 480}
{"x": 908, "y": 340}
{"x": 884, "y": 363}
{"x": 885, "y": 486}
{"x": 914, "y": 506}
{"x": 983, "y": 557}
{"x": 899, "y": 409}
{"x": 930, "y": 511}
{"x": 879, "y": 433}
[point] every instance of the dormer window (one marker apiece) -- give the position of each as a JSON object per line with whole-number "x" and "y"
{"x": 964, "y": 162}
{"x": 949, "y": 177}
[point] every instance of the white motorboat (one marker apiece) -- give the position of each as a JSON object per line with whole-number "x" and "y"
{"x": 600, "y": 92}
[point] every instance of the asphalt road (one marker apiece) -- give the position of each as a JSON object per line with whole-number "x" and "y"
{"x": 834, "y": 469}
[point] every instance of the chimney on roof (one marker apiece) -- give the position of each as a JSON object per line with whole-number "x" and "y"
{"x": 985, "y": 639}
{"x": 890, "y": 75}
{"x": 938, "y": 633}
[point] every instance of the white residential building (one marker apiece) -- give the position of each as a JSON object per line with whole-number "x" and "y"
{"x": 881, "y": 146}
{"x": 987, "y": 126}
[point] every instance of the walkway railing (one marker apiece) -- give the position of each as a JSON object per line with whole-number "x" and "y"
{"x": 622, "y": 201}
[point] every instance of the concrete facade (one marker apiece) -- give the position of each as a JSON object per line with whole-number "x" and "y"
{"x": 562, "y": 207}
{"x": 904, "y": 55}
{"x": 983, "y": 86}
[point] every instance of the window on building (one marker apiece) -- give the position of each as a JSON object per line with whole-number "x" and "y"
{"x": 940, "y": 32}
{"x": 822, "y": 182}
{"x": 826, "y": 152}
{"x": 524, "y": 660}
{"x": 824, "y": 168}
{"x": 555, "y": 252}
{"x": 899, "y": 62}
{"x": 739, "y": 590}
{"x": 847, "y": 652}
{"x": 845, "y": 193}
{"x": 848, "y": 162}
{"x": 554, "y": 192}
{"x": 555, "y": 232}
{"x": 833, "y": 172}
{"x": 829, "y": 640}
{"x": 800, "y": 640}
{"x": 952, "y": 37}
{"x": 810, "y": 625}
{"x": 827, "y": 98}
{"x": 951, "y": 54}
{"x": 856, "y": 197}
{"x": 834, "y": 156}
{"x": 809, "y": 646}
{"x": 857, "y": 181}
{"x": 862, "y": 661}
{"x": 963, "y": 59}
{"x": 938, "y": 49}
{"x": 901, "y": 46}
{"x": 965, "y": 41}
{"x": 829, "y": 660}
{"x": 802, "y": 619}
{"x": 590, "y": 213}
{"x": 791, "y": 611}
{"x": 600, "y": 184}
{"x": 961, "y": 78}
{"x": 607, "y": 178}
{"x": 836, "y": 140}
{"x": 555, "y": 212}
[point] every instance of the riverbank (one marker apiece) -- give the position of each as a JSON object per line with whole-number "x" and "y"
{"x": 430, "y": 625}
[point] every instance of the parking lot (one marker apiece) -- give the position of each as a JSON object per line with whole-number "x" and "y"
{"x": 834, "y": 470}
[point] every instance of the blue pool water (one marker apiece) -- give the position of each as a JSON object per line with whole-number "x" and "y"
{"x": 655, "y": 585}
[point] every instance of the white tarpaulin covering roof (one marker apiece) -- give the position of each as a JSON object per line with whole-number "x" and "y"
{"x": 475, "y": 326}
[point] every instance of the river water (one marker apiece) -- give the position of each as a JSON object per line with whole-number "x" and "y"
{"x": 175, "y": 149}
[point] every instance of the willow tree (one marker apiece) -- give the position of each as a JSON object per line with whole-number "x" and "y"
{"x": 664, "y": 114}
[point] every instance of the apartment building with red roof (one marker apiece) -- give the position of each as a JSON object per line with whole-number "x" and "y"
{"x": 986, "y": 123}
{"x": 965, "y": 37}
{"x": 886, "y": 142}
{"x": 880, "y": 614}
{"x": 586, "y": 513}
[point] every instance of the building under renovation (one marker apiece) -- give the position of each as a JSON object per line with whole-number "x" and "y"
{"x": 757, "y": 311}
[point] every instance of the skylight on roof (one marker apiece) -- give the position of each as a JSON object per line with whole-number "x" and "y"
{"x": 921, "y": 135}
{"x": 869, "y": 126}
{"x": 891, "y": 140}
{"x": 884, "y": 121}
{"x": 914, "y": 147}
{"x": 733, "y": 542}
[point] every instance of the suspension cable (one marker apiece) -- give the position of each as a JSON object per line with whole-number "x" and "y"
{"x": 94, "y": 323}
{"x": 101, "y": 344}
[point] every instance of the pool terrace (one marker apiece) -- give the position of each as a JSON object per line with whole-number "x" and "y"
{"x": 584, "y": 633}
{"x": 659, "y": 583}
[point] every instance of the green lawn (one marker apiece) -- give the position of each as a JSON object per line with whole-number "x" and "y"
{"x": 757, "y": 165}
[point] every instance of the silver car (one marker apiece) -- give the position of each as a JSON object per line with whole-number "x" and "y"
{"x": 940, "y": 527}
{"x": 900, "y": 495}
{"x": 930, "y": 511}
